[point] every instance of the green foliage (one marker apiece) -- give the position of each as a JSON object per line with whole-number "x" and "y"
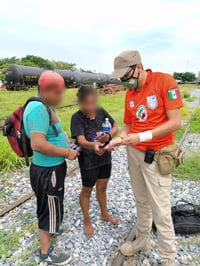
{"x": 84, "y": 70}
{"x": 36, "y": 61}
{"x": 185, "y": 76}
{"x": 187, "y": 169}
{"x": 10, "y": 100}
{"x": 195, "y": 125}
{"x": 2, "y": 75}
{"x": 8, "y": 159}
{"x": 63, "y": 65}
{"x": 191, "y": 99}
{"x": 179, "y": 133}
{"x": 8, "y": 60}
{"x": 185, "y": 112}
{"x": 9, "y": 240}
{"x": 186, "y": 95}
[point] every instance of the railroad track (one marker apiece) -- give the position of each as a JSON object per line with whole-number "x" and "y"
{"x": 119, "y": 258}
{"x": 28, "y": 196}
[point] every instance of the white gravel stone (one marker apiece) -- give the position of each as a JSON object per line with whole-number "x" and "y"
{"x": 99, "y": 249}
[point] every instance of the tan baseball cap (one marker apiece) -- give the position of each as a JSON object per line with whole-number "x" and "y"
{"x": 123, "y": 62}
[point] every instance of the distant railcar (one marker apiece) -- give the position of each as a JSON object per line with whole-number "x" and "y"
{"x": 23, "y": 77}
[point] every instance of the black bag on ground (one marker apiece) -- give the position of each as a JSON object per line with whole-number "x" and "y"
{"x": 185, "y": 217}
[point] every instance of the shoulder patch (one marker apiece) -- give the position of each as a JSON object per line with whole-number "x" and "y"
{"x": 174, "y": 94}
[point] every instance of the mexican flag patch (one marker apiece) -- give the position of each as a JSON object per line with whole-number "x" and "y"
{"x": 173, "y": 94}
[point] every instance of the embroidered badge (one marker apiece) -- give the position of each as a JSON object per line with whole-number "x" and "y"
{"x": 131, "y": 103}
{"x": 141, "y": 113}
{"x": 152, "y": 102}
{"x": 174, "y": 94}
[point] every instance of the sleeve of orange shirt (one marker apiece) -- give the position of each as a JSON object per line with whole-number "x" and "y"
{"x": 171, "y": 94}
{"x": 127, "y": 115}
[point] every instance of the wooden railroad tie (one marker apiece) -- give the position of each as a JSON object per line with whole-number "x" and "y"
{"x": 119, "y": 259}
{"x": 23, "y": 199}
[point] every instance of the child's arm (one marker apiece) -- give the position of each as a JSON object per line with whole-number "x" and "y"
{"x": 90, "y": 145}
{"x": 114, "y": 130}
{"x": 106, "y": 137}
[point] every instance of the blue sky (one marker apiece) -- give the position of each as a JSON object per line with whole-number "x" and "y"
{"x": 91, "y": 33}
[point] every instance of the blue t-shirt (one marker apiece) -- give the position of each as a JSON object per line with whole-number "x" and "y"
{"x": 36, "y": 119}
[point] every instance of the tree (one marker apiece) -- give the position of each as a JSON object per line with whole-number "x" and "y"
{"x": 37, "y": 61}
{"x": 8, "y": 61}
{"x": 185, "y": 76}
{"x": 2, "y": 75}
{"x": 87, "y": 71}
{"x": 63, "y": 65}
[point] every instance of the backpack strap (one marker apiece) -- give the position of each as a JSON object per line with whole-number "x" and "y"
{"x": 24, "y": 146}
{"x": 38, "y": 99}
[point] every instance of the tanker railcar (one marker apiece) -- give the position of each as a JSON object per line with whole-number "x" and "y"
{"x": 23, "y": 77}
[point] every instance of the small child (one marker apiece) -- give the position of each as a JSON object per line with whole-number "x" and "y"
{"x": 94, "y": 161}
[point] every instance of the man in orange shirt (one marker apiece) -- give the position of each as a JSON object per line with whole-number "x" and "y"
{"x": 152, "y": 115}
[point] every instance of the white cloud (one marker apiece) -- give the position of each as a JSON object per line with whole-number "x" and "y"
{"x": 105, "y": 28}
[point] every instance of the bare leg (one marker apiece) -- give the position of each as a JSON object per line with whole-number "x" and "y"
{"x": 101, "y": 186}
{"x": 44, "y": 241}
{"x": 85, "y": 205}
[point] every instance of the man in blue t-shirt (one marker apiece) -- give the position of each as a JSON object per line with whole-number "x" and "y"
{"x": 50, "y": 147}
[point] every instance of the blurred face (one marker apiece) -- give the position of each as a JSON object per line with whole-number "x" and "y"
{"x": 89, "y": 104}
{"x": 52, "y": 96}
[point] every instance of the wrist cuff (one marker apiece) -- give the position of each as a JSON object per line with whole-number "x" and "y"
{"x": 146, "y": 135}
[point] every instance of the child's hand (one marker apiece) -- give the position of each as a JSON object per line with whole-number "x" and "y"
{"x": 97, "y": 148}
{"x": 72, "y": 155}
{"x": 104, "y": 138}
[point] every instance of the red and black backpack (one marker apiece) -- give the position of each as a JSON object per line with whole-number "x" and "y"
{"x": 13, "y": 129}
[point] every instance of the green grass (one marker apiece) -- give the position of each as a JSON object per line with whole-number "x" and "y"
{"x": 10, "y": 100}
{"x": 179, "y": 133}
{"x": 114, "y": 104}
{"x": 195, "y": 125}
{"x": 190, "y": 169}
{"x": 186, "y": 95}
{"x": 187, "y": 87}
{"x": 10, "y": 240}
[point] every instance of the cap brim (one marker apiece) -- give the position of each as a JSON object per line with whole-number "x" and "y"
{"x": 119, "y": 73}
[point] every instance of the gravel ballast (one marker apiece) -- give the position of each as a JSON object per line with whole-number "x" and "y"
{"x": 99, "y": 250}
